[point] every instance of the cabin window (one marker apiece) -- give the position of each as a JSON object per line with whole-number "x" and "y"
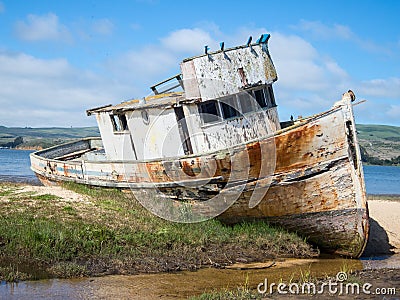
{"x": 246, "y": 103}
{"x": 209, "y": 111}
{"x": 123, "y": 121}
{"x": 119, "y": 122}
{"x": 271, "y": 95}
{"x": 230, "y": 108}
{"x": 234, "y": 106}
{"x": 260, "y": 98}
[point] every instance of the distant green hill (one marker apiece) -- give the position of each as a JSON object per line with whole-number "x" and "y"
{"x": 36, "y": 138}
{"x": 380, "y": 144}
{"x": 381, "y": 132}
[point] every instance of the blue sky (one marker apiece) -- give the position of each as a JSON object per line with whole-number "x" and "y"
{"x": 59, "y": 58}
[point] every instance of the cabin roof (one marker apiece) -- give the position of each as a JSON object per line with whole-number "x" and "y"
{"x": 262, "y": 40}
{"x": 159, "y": 100}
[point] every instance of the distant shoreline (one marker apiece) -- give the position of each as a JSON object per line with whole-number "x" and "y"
{"x": 20, "y": 179}
{"x": 389, "y": 197}
{"x": 22, "y": 148}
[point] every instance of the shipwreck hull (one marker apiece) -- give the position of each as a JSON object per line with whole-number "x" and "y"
{"x": 308, "y": 176}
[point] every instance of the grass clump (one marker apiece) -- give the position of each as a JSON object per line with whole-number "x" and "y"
{"x": 243, "y": 292}
{"x": 70, "y": 210}
{"x": 11, "y": 274}
{"x": 45, "y": 197}
{"x": 68, "y": 270}
{"x": 7, "y": 189}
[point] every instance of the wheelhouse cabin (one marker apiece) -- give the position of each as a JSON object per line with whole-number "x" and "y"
{"x": 226, "y": 99}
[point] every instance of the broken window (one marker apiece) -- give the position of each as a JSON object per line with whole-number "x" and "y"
{"x": 209, "y": 111}
{"x": 271, "y": 96}
{"x": 246, "y": 102}
{"x": 123, "y": 121}
{"x": 236, "y": 105}
{"x": 230, "y": 108}
{"x": 260, "y": 98}
{"x": 119, "y": 122}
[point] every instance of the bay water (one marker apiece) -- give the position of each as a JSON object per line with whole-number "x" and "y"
{"x": 15, "y": 166}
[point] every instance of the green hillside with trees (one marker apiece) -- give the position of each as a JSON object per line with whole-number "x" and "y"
{"x": 38, "y": 138}
{"x": 380, "y": 144}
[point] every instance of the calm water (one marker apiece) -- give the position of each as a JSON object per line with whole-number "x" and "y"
{"x": 382, "y": 179}
{"x": 15, "y": 166}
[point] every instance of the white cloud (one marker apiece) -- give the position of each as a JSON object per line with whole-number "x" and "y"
{"x": 378, "y": 111}
{"x": 292, "y": 47}
{"x": 141, "y": 68}
{"x": 383, "y": 88}
{"x": 301, "y": 69}
{"x": 103, "y": 27}
{"x": 38, "y": 92}
{"x": 153, "y": 63}
{"x": 334, "y": 68}
{"x": 338, "y": 31}
{"x": 188, "y": 40}
{"x": 321, "y": 30}
{"x": 18, "y": 65}
{"x": 39, "y": 28}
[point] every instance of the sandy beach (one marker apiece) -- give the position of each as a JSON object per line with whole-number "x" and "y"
{"x": 384, "y": 236}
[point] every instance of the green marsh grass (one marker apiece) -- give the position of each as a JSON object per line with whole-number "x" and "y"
{"x": 110, "y": 232}
{"x": 12, "y": 274}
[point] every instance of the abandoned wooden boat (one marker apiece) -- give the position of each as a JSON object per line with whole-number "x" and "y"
{"x": 218, "y": 149}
